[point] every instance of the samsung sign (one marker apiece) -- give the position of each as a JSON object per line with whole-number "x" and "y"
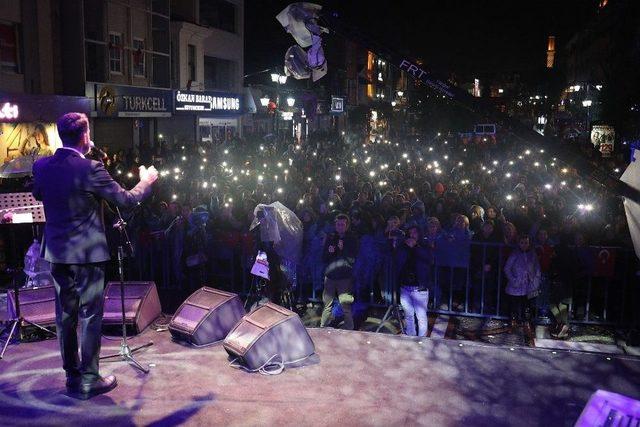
{"x": 214, "y": 103}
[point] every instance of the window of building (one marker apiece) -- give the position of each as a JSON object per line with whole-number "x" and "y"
{"x": 160, "y": 59}
{"x": 191, "y": 63}
{"x": 219, "y": 73}
{"x": 9, "y": 47}
{"x": 94, "y": 19}
{"x": 160, "y": 6}
{"x": 219, "y": 14}
{"x": 138, "y": 55}
{"x": 115, "y": 53}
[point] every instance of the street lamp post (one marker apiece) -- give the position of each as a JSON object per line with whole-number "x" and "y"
{"x": 587, "y": 104}
{"x": 278, "y": 79}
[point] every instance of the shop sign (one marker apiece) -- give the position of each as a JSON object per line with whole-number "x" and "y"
{"x": 219, "y": 103}
{"x": 20, "y": 108}
{"x": 125, "y": 101}
{"x": 337, "y": 105}
{"x": 9, "y": 112}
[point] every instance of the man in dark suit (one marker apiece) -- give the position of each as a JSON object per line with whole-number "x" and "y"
{"x": 72, "y": 189}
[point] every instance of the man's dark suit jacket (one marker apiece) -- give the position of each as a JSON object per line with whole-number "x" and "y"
{"x": 72, "y": 189}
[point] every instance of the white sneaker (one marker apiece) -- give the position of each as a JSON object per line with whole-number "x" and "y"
{"x": 564, "y": 332}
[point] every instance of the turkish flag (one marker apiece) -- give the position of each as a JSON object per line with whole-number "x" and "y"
{"x": 604, "y": 262}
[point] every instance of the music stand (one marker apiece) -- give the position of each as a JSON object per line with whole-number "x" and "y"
{"x": 27, "y": 210}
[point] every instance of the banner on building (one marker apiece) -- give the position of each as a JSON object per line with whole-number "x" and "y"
{"x": 606, "y": 149}
{"x": 23, "y": 139}
{"x": 602, "y": 134}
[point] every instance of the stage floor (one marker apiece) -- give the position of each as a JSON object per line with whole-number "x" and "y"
{"x": 356, "y": 378}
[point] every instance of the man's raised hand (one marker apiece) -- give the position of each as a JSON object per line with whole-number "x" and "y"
{"x": 148, "y": 175}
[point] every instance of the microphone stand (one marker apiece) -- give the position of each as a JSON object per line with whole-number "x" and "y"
{"x": 126, "y": 353}
{"x": 395, "y": 308}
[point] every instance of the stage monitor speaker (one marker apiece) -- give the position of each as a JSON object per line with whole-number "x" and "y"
{"x": 37, "y": 305}
{"x": 269, "y": 333}
{"x": 606, "y": 408}
{"x": 206, "y": 316}
{"x": 141, "y": 304}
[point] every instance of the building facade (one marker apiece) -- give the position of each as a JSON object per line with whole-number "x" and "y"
{"x": 129, "y": 59}
{"x": 208, "y": 57}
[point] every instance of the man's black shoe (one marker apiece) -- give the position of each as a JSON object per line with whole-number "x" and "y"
{"x": 73, "y": 384}
{"x": 102, "y": 385}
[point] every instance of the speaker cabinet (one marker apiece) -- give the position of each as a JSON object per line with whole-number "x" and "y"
{"x": 269, "y": 333}
{"x": 606, "y": 408}
{"x": 37, "y": 305}
{"x": 141, "y": 304}
{"x": 206, "y": 316}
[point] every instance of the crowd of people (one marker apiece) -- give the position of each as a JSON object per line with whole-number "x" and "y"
{"x": 496, "y": 218}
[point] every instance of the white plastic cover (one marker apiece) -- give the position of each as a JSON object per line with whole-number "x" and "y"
{"x": 632, "y": 177}
{"x": 295, "y": 63}
{"x": 299, "y": 20}
{"x": 315, "y": 54}
{"x": 282, "y": 227}
{"x": 34, "y": 264}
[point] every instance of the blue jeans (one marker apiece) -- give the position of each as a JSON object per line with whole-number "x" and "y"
{"x": 414, "y": 303}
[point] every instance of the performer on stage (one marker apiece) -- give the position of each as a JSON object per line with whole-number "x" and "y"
{"x": 72, "y": 188}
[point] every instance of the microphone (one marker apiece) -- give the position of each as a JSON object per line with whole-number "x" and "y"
{"x": 103, "y": 156}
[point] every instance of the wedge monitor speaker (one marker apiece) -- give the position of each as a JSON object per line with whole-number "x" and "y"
{"x": 37, "y": 305}
{"x": 206, "y": 316}
{"x": 269, "y": 333}
{"x": 141, "y": 304}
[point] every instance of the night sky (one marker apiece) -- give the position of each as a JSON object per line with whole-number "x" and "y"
{"x": 452, "y": 36}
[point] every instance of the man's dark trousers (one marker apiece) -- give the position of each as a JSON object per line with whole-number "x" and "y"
{"x": 79, "y": 295}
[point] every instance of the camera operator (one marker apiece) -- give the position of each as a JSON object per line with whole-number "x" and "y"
{"x": 339, "y": 253}
{"x": 265, "y": 242}
{"x": 411, "y": 267}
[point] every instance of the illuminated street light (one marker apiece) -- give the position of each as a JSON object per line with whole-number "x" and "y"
{"x": 291, "y": 102}
{"x": 264, "y": 101}
{"x": 587, "y": 103}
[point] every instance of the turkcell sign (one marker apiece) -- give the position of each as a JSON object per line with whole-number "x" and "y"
{"x": 218, "y": 103}
{"x": 143, "y": 103}
{"x": 129, "y": 101}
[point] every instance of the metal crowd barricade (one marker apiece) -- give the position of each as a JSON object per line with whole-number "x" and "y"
{"x": 608, "y": 293}
{"x": 611, "y": 275}
{"x": 617, "y": 309}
